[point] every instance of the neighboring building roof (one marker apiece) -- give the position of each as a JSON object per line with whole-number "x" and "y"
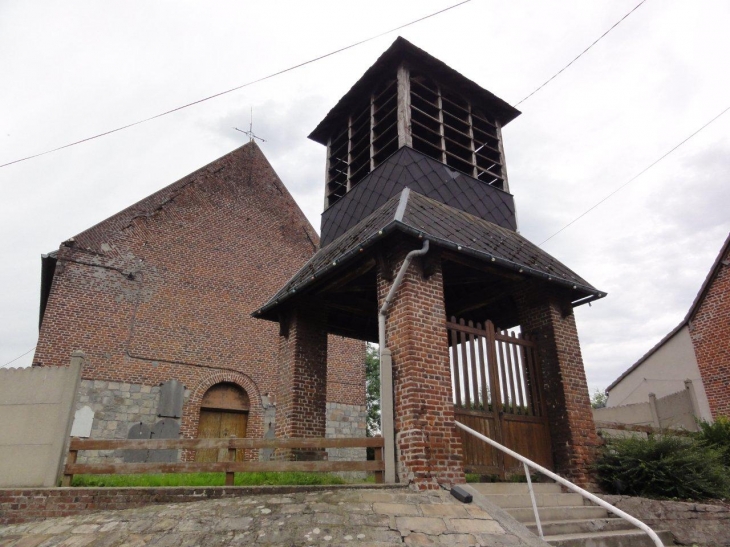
{"x": 424, "y": 175}
{"x": 687, "y": 318}
{"x": 402, "y": 50}
{"x": 444, "y": 226}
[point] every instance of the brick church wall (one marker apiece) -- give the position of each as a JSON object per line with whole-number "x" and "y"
{"x": 164, "y": 290}
{"x": 710, "y": 332}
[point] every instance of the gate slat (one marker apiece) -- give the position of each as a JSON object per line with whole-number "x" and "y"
{"x": 532, "y": 382}
{"x": 474, "y": 378}
{"x": 455, "y": 363}
{"x": 503, "y": 374}
{"x": 465, "y": 364}
{"x": 512, "y": 391}
{"x": 518, "y": 375}
{"x": 483, "y": 370}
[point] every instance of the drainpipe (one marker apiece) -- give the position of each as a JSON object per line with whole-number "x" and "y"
{"x": 386, "y": 371}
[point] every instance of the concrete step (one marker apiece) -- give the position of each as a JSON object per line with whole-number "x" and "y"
{"x": 502, "y": 488}
{"x": 576, "y": 526}
{"x": 566, "y": 512}
{"x": 508, "y": 501}
{"x": 617, "y": 538}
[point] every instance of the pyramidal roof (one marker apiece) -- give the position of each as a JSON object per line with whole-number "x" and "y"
{"x": 400, "y": 51}
{"x": 444, "y": 226}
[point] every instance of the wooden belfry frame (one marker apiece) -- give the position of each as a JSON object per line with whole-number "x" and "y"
{"x": 411, "y": 109}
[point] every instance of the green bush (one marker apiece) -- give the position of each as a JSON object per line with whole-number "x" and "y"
{"x": 663, "y": 467}
{"x": 717, "y": 435}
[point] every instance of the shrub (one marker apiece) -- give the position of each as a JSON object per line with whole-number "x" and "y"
{"x": 663, "y": 467}
{"x": 717, "y": 435}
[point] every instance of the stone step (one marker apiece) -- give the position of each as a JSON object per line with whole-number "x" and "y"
{"x": 617, "y": 538}
{"x": 501, "y": 488}
{"x": 578, "y": 526}
{"x": 566, "y": 512}
{"x": 508, "y": 501}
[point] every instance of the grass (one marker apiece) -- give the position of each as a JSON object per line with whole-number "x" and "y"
{"x": 208, "y": 479}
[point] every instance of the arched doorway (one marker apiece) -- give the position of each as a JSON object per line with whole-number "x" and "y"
{"x": 223, "y": 413}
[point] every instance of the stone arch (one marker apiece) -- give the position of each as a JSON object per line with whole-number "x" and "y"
{"x": 191, "y": 412}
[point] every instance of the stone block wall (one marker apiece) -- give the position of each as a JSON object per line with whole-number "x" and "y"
{"x": 697, "y": 524}
{"x": 347, "y": 421}
{"x": 117, "y": 407}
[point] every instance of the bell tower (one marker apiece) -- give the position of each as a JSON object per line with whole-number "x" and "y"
{"x": 409, "y": 99}
{"x": 419, "y": 252}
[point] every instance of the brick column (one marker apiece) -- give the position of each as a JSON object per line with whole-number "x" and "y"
{"x": 551, "y": 323}
{"x": 428, "y": 447}
{"x": 301, "y": 399}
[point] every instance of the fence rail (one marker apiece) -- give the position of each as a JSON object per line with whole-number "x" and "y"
{"x": 229, "y": 467}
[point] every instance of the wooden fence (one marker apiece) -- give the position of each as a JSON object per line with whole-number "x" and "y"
{"x": 229, "y": 467}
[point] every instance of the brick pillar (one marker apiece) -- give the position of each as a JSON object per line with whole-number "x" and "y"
{"x": 551, "y": 323}
{"x": 427, "y": 445}
{"x": 301, "y": 399}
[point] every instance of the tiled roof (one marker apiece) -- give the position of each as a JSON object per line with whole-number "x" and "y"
{"x": 427, "y": 176}
{"x": 444, "y": 226}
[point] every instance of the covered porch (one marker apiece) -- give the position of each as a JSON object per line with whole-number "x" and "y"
{"x": 480, "y": 329}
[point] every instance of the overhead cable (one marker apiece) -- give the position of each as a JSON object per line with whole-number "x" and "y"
{"x": 617, "y": 23}
{"x": 121, "y": 128}
{"x": 632, "y": 179}
{"x": 18, "y": 357}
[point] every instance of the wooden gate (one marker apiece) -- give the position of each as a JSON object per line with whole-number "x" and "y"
{"x": 497, "y": 387}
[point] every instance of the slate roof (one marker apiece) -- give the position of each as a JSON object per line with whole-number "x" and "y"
{"x": 401, "y": 50}
{"x": 443, "y": 226}
{"x": 422, "y": 174}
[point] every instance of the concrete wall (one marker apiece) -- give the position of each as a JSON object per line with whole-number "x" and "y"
{"x": 663, "y": 373}
{"x": 36, "y": 411}
{"x": 674, "y": 411}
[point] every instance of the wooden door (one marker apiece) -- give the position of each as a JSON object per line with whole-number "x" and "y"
{"x": 217, "y": 424}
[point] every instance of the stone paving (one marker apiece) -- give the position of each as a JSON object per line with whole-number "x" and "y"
{"x": 330, "y": 517}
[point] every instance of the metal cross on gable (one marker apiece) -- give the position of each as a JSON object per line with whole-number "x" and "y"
{"x": 250, "y": 132}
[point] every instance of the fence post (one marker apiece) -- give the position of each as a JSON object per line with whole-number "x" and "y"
{"x": 654, "y": 411}
{"x": 68, "y": 478}
{"x": 230, "y": 475}
{"x": 378, "y": 452}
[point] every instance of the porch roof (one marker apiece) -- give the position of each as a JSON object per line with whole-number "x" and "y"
{"x": 444, "y": 226}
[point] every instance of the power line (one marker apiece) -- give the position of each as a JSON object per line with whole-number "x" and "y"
{"x": 617, "y": 23}
{"x": 121, "y": 128}
{"x": 18, "y": 357}
{"x": 632, "y": 179}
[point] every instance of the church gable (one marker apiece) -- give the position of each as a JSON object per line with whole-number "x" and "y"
{"x": 175, "y": 276}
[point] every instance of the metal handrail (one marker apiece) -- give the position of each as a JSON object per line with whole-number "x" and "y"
{"x": 575, "y": 488}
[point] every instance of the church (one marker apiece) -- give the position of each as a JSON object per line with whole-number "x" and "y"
{"x": 159, "y": 298}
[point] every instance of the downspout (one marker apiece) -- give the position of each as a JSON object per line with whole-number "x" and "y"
{"x": 386, "y": 371}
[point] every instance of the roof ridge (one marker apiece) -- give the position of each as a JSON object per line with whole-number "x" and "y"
{"x": 402, "y": 204}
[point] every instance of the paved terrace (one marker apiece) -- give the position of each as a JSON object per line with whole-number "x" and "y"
{"x": 328, "y": 517}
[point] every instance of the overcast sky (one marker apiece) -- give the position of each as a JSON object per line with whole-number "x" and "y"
{"x": 69, "y": 70}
